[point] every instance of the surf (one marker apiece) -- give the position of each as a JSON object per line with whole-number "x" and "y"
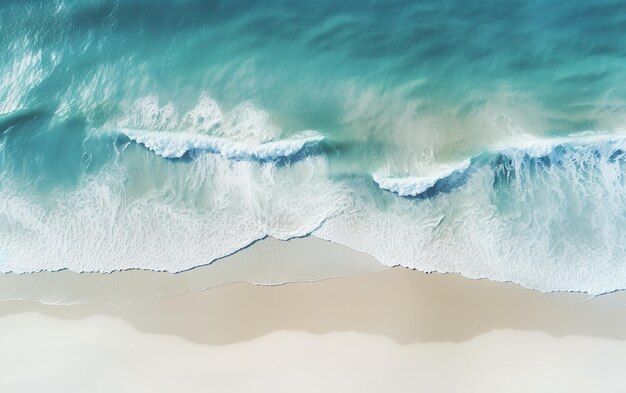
{"x": 178, "y": 144}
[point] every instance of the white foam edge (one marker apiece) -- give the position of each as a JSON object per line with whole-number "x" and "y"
{"x": 177, "y": 144}
{"x": 527, "y": 146}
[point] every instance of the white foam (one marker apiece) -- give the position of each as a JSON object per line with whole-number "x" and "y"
{"x": 547, "y": 227}
{"x": 176, "y": 144}
{"x": 147, "y": 113}
{"x": 543, "y": 147}
{"x": 416, "y": 185}
{"x": 205, "y": 116}
{"x": 247, "y": 123}
{"x": 244, "y": 123}
{"x": 195, "y": 214}
{"x": 531, "y": 147}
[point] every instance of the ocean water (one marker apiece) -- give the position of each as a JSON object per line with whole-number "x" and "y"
{"x": 483, "y": 138}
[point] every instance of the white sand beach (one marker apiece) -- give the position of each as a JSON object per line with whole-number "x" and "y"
{"x": 396, "y": 330}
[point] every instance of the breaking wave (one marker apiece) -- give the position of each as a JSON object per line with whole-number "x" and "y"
{"x": 543, "y": 153}
{"x": 177, "y": 144}
{"x": 166, "y": 135}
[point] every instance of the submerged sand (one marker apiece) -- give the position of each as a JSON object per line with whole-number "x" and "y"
{"x": 265, "y": 262}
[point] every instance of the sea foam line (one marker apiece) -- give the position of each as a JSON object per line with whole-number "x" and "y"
{"x": 177, "y": 144}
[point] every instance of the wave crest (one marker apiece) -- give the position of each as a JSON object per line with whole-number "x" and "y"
{"x": 545, "y": 152}
{"x": 178, "y": 144}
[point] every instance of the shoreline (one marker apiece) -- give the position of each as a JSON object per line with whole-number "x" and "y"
{"x": 376, "y": 328}
{"x": 398, "y": 329}
{"x": 390, "y": 303}
{"x": 266, "y": 262}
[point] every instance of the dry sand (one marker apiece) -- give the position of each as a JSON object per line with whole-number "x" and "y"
{"x": 106, "y": 354}
{"x": 396, "y": 330}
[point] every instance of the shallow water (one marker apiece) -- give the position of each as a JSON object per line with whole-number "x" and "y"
{"x": 485, "y": 139}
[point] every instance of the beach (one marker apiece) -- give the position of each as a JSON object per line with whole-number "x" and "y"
{"x": 396, "y": 330}
{"x": 312, "y": 196}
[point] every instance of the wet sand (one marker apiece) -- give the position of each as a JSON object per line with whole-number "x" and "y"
{"x": 401, "y": 304}
{"x": 266, "y": 262}
{"x": 394, "y": 330}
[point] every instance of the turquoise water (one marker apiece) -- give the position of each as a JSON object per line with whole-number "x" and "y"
{"x": 485, "y": 139}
